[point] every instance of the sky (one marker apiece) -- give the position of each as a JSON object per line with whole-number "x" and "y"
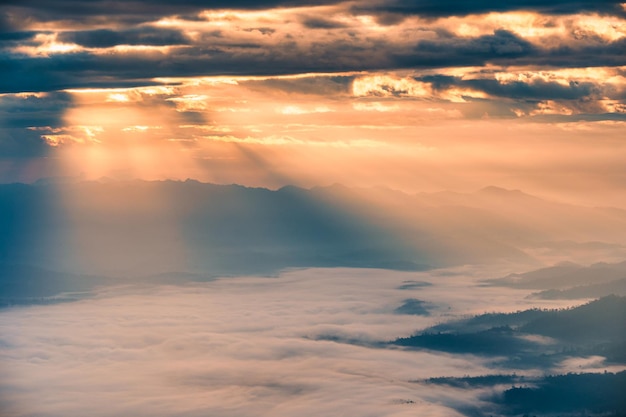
{"x": 411, "y": 95}
{"x": 480, "y": 98}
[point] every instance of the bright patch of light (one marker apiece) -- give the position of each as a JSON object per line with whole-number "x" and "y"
{"x": 613, "y": 106}
{"x": 551, "y": 107}
{"x": 288, "y": 140}
{"x": 47, "y": 45}
{"x": 610, "y": 28}
{"x": 375, "y": 106}
{"x": 294, "y": 110}
{"x": 118, "y": 98}
{"x": 565, "y": 76}
{"x": 459, "y": 95}
{"x": 26, "y": 95}
{"x": 58, "y": 140}
{"x": 389, "y": 86}
{"x": 190, "y": 102}
{"x": 135, "y": 48}
{"x": 139, "y": 128}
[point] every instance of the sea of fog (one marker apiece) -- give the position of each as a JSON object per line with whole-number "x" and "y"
{"x": 308, "y": 342}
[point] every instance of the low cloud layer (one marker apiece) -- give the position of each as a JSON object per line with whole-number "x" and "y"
{"x": 245, "y": 345}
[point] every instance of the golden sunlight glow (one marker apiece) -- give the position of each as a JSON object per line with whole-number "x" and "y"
{"x": 389, "y": 86}
{"x": 537, "y": 27}
{"x": 26, "y": 95}
{"x": 288, "y": 140}
{"x": 118, "y": 98}
{"x": 236, "y": 79}
{"x": 299, "y": 110}
{"x": 71, "y": 135}
{"x": 47, "y": 46}
{"x": 375, "y": 106}
{"x": 613, "y": 106}
{"x": 152, "y": 90}
{"x": 207, "y": 128}
{"x": 607, "y": 27}
{"x": 140, "y": 129}
{"x": 566, "y": 76}
{"x": 459, "y": 95}
{"x": 190, "y": 102}
{"x": 56, "y": 140}
{"x": 266, "y": 17}
{"x": 551, "y": 107}
{"x": 129, "y": 49}
{"x": 526, "y": 24}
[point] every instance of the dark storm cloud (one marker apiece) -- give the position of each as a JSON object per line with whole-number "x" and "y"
{"x": 507, "y": 48}
{"x": 16, "y": 36}
{"x": 104, "y": 38}
{"x": 320, "y": 23}
{"x": 132, "y": 11}
{"x": 76, "y": 70}
{"x": 230, "y": 57}
{"x": 388, "y": 12}
{"x": 502, "y": 45}
{"x": 335, "y": 85}
{"x": 119, "y": 70}
{"x": 444, "y": 8}
{"x": 535, "y": 90}
{"x": 561, "y": 118}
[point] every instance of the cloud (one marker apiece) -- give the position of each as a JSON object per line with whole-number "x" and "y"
{"x": 461, "y": 51}
{"x": 120, "y": 69}
{"x": 131, "y": 12}
{"x": 319, "y": 23}
{"x": 288, "y": 41}
{"x": 25, "y": 117}
{"x": 323, "y": 85}
{"x": 238, "y": 346}
{"x": 104, "y": 38}
{"x": 14, "y": 36}
{"x": 33, "y": 110}
{"x": 533, "y": 90}
{"x": 437, "y": 9}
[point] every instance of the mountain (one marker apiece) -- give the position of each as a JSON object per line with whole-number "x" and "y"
{"x": 566, "y": 276}
{"x": 139, "y": 228}
{"x": 617, "y": 287}
{"x": 26, "y": 284}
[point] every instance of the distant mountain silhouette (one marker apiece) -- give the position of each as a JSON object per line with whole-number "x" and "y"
{"x": 564, "y": 276}
{"x": 617, "y": 287}
{"x": 25, "y": 284}
{"x": 141, "y": 228}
